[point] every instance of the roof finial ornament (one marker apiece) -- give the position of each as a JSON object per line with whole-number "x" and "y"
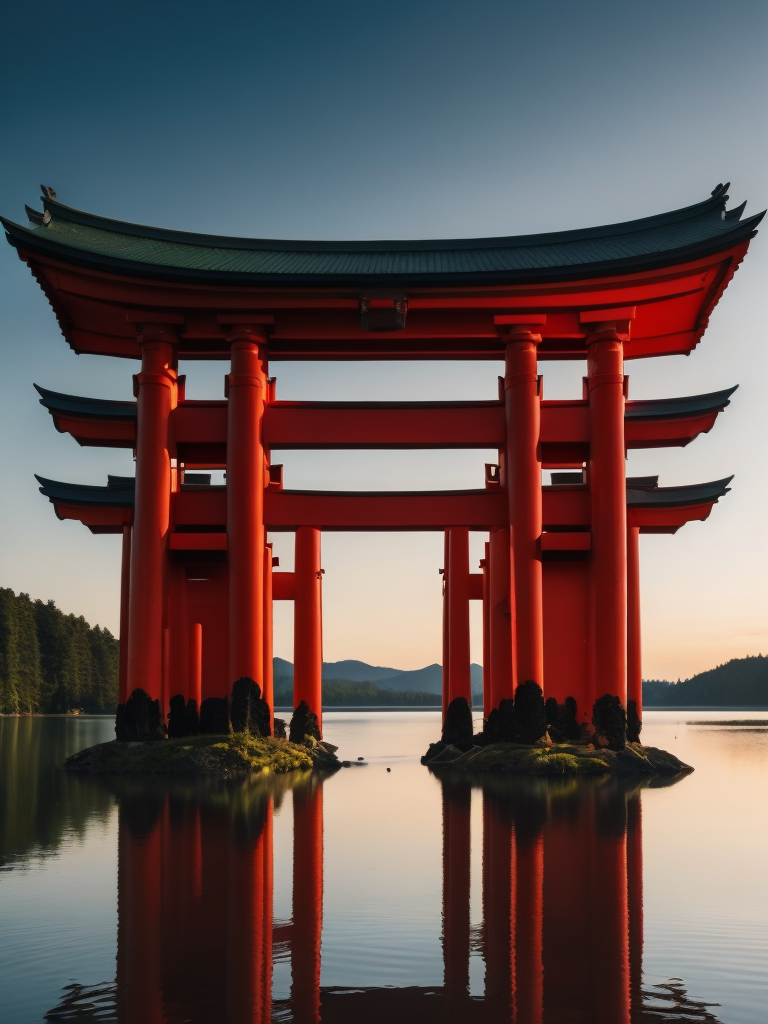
{"x": 721, "y": 188}
{"x": 48, "y": 192}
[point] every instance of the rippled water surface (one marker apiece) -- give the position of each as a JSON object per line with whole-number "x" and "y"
{"x": 385, "y": 895}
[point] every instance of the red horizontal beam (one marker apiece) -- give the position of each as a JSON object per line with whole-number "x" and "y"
{"x": 566, "y": 541}
{"x": 198, "y": 542}
{"x": 283, "y": 586}
{"x": 477, "y": 510}
{"x": 200, "y": 428}
{"x": 305, "y": 425}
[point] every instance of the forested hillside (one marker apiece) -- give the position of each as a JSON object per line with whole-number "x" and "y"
{"x": 349, "y": 693}
{"x": 52, "y": 663}
{"x": 739, "y": 682}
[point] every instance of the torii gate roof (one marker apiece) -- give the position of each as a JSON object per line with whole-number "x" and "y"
{"x": 663, "y": 240}
{"x": 102, "y": 276}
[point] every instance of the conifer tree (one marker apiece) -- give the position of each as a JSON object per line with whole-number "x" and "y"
{"x": 51, "y": 662}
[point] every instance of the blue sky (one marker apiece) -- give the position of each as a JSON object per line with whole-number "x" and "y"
{"x": 370, "y": 120}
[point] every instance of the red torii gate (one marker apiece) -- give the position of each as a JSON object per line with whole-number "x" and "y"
{"x": 559, "y": 582}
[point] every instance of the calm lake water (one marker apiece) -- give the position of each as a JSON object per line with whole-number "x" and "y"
{"x": 385, "y": 895}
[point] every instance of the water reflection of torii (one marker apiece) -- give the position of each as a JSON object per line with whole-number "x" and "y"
{"x": 562, "y": 912}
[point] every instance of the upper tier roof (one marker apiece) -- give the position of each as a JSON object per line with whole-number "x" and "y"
{"x": 652, "y": 242}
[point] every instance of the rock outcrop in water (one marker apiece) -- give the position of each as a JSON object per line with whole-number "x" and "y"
{"x": 528, "y": 737}
{"x": 248, "y": 712}
{"x": 139, "y": 719}
{"x": 560, "y": 759}
{"x": 303, "y": 723}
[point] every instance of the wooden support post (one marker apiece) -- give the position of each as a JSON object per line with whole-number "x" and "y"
{"x": 156, "y": 387}
{"x": 268, "y": 686}
{"x": 196, "y": 663}
{"x": 503, "y": 677}
{"x": 246, "y": 388}
{"x": 523, "y": 470}
{"x": 446, "y": 645}
{"x": 308, "y": 624}
{"x": 485, "y": 565}
{"x": 125, "y": 591}
{"x": 608, "y": 497}
{"x": 307, "y": 902}
{"x": 459, "y": 675}
{"x": 634, "y": 644}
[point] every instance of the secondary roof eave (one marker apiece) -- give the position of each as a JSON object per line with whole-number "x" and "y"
{"x": 678, "y": 497}
{"x": 677, "y": 408}
{"x": 97, "y": 408}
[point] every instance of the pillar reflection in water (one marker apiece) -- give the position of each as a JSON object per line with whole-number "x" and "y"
{"x": 561, "y": 933}
{"x": 562, "y": 900}
{"x": 195, "y": 896}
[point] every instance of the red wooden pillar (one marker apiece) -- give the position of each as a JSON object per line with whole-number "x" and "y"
{"x": 196, "y": 663}
{"x": 523, "y": 466}
{"x": 459, "y": 674}
{"x": 246, "y": 388}
{"x": 307, "y": 902}
{"x": 501, "y": 600}
{"x": 608, "y": 495}
{"x": 156, "y": 388}
{"x": 457, "y": 807}
{"x": 125, "y": 591}
{"x": 446, "y": 646}
{"x": 268, "y": 684}
{"x": 485, "y": 565}
{"x": 308, "y": 625}
{"x": 634, "y": 646}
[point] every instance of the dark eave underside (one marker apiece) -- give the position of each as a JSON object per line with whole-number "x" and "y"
{"x": 120, "y": 493}
{"x": 682, "y": 235}
{"x": 654, "y": 409}
{"x": 95, "y": 408}
{"x": 676, "y": 408}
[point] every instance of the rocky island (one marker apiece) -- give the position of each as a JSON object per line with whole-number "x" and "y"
{"x": 227, "y": 736}
{"x": 528, "y": 736}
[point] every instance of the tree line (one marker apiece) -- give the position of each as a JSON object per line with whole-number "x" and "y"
{"x": 343, "y": 692}
{"x": 52, "y": 663}
{"x": 740, "y": 681}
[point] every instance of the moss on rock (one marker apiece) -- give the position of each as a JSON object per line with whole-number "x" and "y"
{"x": 559, "y": 759}
{"x": 197, "y": 755}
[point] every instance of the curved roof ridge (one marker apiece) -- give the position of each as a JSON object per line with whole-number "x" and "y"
{"x": 683, "y": 494}
{"x": 670, "y": 408}
{"x": 683, "y": 235}
{"x": 60, "y": 211}
{"x": 78, "y": 404}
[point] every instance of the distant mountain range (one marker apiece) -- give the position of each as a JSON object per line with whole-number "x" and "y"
{"x": 424, "y": 680}
{"x": 739, "y": 682}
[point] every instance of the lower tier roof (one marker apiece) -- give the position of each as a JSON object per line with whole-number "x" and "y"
{"x": 199, "y": 508}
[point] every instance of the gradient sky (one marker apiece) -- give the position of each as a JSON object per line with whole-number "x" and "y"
{"x": 369, "y": 120}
